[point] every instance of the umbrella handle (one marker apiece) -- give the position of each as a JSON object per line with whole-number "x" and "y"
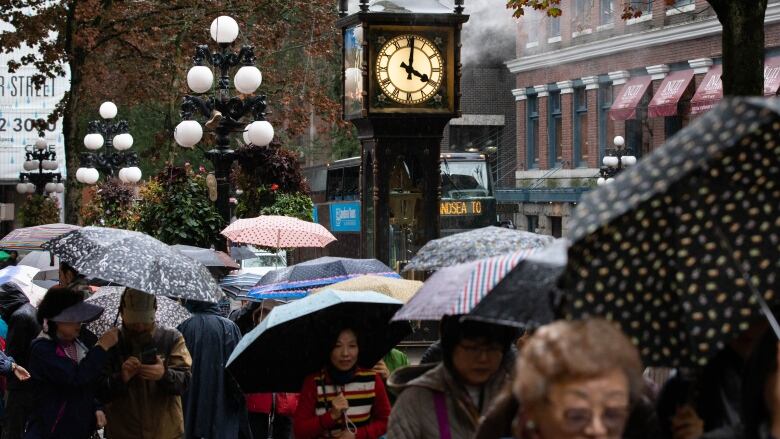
{"x": 116, "y": 319}
{"x": 746, "y": 276}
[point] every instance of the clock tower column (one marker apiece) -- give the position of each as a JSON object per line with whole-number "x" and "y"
{"x": 401, "y": 88}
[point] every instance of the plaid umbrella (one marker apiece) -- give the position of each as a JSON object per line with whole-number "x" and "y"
{"x": 135, "y": 260}
{"x": 295, "y": 281}
{"x": 169, "y": 313}
{"x": 33, "y": 238}
{"x": 473, "y": 245}
{"x": 456, "y": 290}
{"x": 295, "y": 339}
{"x": 278, "y": 232}
{"x": 683, "y": 250}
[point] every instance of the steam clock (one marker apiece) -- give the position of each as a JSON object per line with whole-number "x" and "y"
{"x": 401, "y": 88}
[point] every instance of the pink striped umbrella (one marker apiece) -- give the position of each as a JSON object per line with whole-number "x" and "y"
{"x": 32, "y": 238}
{"x": 278, "y": 232}
{"x": 458, "y": 289}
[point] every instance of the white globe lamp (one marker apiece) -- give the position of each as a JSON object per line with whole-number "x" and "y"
{"x": 50, "y": 165}
{"x": 108, "y": 110}
{"x": 133, "y": 174}
{"x": 611, "y": 161}
{"x": 50, "y": 187}
{"x": 30, "y": 165}
{"x": 123, "y": 142}
{"x": 31, "y": 188}
{"x": 601, "y": 181}
{"x": 248, "y": 79}
{"x": 90, "y": 175}
{"x": 199, "y": 79}
{"x": 619, "y": 141}
{"x": 628, "y": 160}
{"x": 60, "y": 188}
{"x": 41, "y": 144}
{"x": 260, "y": 133}
{"x": 80, "y": 175}
{"x": 224, "y": 29}
{"x": 121, "y": 175}
{"x": 188, "y": 133}
{"x": 21, "y": 188}
{"x": 93, "y": 141}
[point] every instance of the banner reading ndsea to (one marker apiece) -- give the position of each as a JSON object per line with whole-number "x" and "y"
{"x": 20, "y": 105}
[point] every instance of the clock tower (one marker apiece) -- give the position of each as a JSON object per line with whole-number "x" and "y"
{"x": 401, "y": 87}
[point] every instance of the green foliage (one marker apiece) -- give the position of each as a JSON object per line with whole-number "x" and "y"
{"x": 267, "y": 166}
{"x": 38, "y": 210}
{"x": 296, "y": 205}
{"x": 111, "y": 205}
{"x": 268, "y": 200}
{"x": 345, "y": 144}
{"x": 175, "y": 208}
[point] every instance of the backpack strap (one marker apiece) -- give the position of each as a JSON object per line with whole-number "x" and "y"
{"x": 440, "y": 404}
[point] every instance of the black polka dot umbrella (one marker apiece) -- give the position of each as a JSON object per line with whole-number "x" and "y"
{"x": 683, "y": 250}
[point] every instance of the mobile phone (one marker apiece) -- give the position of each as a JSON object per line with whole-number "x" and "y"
{"x": 149, "y": 355}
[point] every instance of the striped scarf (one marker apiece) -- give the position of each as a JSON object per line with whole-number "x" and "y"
{"x": 360, "y": 394}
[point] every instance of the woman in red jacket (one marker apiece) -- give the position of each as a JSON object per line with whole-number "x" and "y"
{"x": 342, "y": 400}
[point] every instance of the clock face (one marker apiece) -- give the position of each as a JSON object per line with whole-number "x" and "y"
{"x": 409, "y": 69}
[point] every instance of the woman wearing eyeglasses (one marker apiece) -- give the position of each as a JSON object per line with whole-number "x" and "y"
{"x": 447, "y": 400}
{"x": 342, "y": 400}
{"x": 576, "y": 380}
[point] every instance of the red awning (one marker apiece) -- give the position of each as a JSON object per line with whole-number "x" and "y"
{"x": 710, "y": 91}
{"x": 628, "y": 99}
{"x": 665, "y": 101}
{"x": 771, "y": 76}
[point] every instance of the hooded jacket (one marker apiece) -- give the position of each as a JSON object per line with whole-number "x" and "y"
{"x": 213, "y": 404}
{"x": 414, "y": 413}
{"x": 23, "y": 328}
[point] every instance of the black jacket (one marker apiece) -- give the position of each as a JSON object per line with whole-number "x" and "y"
{"x": 23, "y": 327}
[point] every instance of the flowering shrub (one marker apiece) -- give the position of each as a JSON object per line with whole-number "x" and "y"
{"x": 38, "y": 210}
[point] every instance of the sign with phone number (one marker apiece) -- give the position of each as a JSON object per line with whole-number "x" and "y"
{"x": 21, "y": 105}
{"x": 460, "y": 208}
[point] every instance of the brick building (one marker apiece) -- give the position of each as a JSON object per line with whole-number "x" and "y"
{"x": 657, "y": 71}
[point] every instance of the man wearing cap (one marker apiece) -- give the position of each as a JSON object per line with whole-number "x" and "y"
{"x": 148, "y": 371}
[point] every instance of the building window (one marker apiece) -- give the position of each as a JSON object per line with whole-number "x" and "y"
{"x": 646, "y": 6}
{"x": 672, "y": 125}
{"x": 555, "y": 122}
{"x": 580, "y": 134}
{"x": 556, "y": 226}
{"x": 532, "y": 223}
{"x": 532, "y": 142}
{"x": 553, "y": 27}
{"x": 606, "y": 124}
{"x": 681, "y": 3}
{"x": 581, "y": 14}
{"x": 606, "y": 11}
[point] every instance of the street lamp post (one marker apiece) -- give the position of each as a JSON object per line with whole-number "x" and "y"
{"x": 40, "y": 165}
{"x": 615, "y": 161}
{"x": 226, "y": 114}
{"x": 115, "y": 140}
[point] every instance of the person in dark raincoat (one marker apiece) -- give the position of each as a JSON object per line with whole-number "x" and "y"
{"x": 213, "y": 405}
{"x": 20, "y": 315}
{"x": 66, "y": 373}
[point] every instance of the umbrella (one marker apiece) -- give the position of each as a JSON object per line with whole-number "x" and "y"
{"x": 683, "y": 250}
{"x": 320, "y": 272}
{"x": 208, "y": 257}
{"x": 48, "y": 264}
{"x": 278, "y": 232}
{"x": 135, "y": 260}
{"x": 239, "y": 253}
{"x": 456, "y": 290}
{"x": 400, "y": 289}
{"x": 238, "y": 285}
{"x": 528, "y": 295}
{"x": 33, "y": 238}
{"x": 22, "y": 276}
{"x": 169, "y": 313}
{"x": 295, "y": 339}
{"x": 473, "y": 245}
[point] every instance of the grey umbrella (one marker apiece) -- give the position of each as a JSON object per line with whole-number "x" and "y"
{"x": 135, "y": 260}
{"x": 473, "y": 245}
{"x": 208, "y": 257}
{"x": 169, "y": 313}
{"x": 46, "y": 262}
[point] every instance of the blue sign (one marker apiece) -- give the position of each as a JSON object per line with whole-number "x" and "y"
{"x": 345, "y": 217}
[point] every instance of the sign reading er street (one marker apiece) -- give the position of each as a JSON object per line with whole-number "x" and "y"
{"x": 460, "y": 208}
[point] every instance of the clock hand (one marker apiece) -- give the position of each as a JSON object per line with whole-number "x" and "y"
{"x": 423, "y": 77}
{"x": 411, "y": 58}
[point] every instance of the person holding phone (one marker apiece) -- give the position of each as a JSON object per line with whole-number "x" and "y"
{"x": 148, "y": 371}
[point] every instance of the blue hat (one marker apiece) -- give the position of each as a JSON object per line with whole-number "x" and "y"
{"x": 81, "y": 312}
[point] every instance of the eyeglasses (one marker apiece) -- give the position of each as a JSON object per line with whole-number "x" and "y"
{"x": 576, "y": 420}
{"x": 477, "y": 350}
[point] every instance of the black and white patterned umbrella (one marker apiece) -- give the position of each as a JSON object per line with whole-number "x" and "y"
{"x": 683, "y": 250}
{"x": 135, "y": 260}
{"x": 473, "y": 245}
{"x": 169, "y": 313}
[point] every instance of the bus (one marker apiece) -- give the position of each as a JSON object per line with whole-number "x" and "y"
{"x": 467, "y": 201}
